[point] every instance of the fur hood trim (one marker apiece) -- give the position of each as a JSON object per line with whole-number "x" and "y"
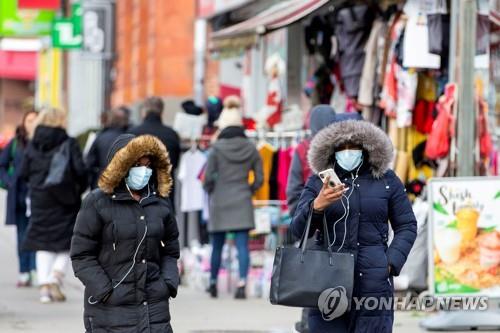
{"x": 126, "y": 157}
{"x": 374, "y": 141}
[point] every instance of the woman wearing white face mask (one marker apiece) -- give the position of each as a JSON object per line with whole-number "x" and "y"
{"x": 357, "y": 214}
{"x": 125, "y": 244}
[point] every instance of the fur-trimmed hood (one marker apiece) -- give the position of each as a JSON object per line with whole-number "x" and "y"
{"x": 374, "y": 141}
{"x": 126, "y": 151}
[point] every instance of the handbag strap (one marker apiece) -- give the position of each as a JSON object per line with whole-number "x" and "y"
{"x": 305, "y": 235}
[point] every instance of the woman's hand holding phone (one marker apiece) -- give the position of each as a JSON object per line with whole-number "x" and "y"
{"x": 328, "y": 195}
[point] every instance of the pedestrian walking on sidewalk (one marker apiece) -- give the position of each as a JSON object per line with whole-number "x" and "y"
{"x": 357, "y": 214}
{"x": 125, "y": 244}
{"x": 229, "y": 163}
{"x": 56, "y": 175}
{"x": 115, "y": 124}
{"x": 320, "y": 117}
{"x": 152, "y": 112}
{"x": 11, "y": 159}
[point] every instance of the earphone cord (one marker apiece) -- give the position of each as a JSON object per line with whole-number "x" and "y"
{"x": 131, "y": 267}
{"x": 346, "y": 212}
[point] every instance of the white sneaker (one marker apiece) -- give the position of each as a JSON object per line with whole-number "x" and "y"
{"x": 45, "y": 295}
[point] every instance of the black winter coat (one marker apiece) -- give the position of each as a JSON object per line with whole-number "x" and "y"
{"x": 97, "y": 158}
{"x": 17, "y": 190}
{"x": 54, "y": 210}
{"x": 125, "y": 252}
{"x": 375, "y": 196}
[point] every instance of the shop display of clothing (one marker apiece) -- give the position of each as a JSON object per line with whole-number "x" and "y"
{"x": 284, "y": 162}
{"x": 266, "y": 152}
{"x": 368, "y": 76}
{"x": 192, "y": 194}
{"x": 352, "y": 29}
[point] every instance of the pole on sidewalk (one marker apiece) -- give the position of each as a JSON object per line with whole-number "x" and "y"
{"x": 465, "y": 78}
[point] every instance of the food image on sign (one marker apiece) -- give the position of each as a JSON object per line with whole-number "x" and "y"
{"x": 465, "y": 219}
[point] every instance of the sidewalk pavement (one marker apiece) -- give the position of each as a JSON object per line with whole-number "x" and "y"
{"x": 192, "y": 311}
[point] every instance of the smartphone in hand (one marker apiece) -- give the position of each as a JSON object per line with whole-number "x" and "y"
{"x": 334, "y": 179}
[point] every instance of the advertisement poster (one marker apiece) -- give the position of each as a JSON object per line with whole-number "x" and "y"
{"x": 465, "y": 236}
{"x": 24, "y": 22}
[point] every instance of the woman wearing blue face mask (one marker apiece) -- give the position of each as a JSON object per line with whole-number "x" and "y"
{"x": 125, "y": 244}
{"x": 357, "y": 213}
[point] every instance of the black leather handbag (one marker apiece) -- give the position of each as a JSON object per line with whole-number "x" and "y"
{"x": 307, "y": 278}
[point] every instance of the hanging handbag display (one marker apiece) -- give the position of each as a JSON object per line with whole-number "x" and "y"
{"x": 438, "y": 24}
{"x": 301, "y": 275}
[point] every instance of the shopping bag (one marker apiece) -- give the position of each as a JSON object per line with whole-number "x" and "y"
{"x": 417, "y": 33}
{"x": 305, "y": 277}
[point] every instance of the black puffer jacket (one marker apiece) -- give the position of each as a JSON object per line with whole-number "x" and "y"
{"x": 97, "y": 158}
{"x": 125, "y": 252}
{"x": 54, "y": 210}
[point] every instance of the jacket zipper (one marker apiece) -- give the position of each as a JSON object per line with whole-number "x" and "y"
{"x": 115, "y": 238}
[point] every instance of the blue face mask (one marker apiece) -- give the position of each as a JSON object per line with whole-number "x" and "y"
{"x": 349, "y": 159}
{"x": 138, "y": 177}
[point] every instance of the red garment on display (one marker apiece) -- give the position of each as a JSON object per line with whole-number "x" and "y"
{"x": 485, "y": 144}
{"x": 423, "y": 116}
{"x": 302, "y": 149}
{"x": 284, "y": 162}
{"x": 438, "y": 143}
{"x": 274, "y": 101}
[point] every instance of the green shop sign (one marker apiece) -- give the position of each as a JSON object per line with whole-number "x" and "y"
{"x": 16, "y": 22}
{"x": 67, "y": 32}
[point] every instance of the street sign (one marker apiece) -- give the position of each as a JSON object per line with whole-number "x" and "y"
{"x": 65, "y": 34}
{"x": 39, "y": 4}
{"x": 67, "y": 31}
{"x": 98, "y": 22}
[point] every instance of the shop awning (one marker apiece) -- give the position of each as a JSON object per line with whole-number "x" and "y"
{"x": 276, "y": 17}
{"x": 18, "y": 65}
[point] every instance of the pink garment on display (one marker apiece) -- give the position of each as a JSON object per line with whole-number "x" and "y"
{"x": 284, "y": 162}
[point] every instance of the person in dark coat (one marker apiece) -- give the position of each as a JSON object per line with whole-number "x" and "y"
{"x": 53, "y": 208}
{"x": 125, "y": 244}
{"x": 360, "y": 154}
{"x": 229, "y": 163}
{"x": 17, "y": 191}
{"x": 115, "y": 124}
{"x": 152, "y": 111}
{"x": 320, "y": 117}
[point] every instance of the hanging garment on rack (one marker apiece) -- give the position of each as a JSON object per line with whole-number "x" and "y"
{"x": 352, "y": 29}
{"x": 368, "y": 82}
{"x": 284, "y": 161}
{"x": 273, "y": 178}
{"x": 423, "y": 116}
{"x": 192, "y": 194}
{"x": 266, "y": 152}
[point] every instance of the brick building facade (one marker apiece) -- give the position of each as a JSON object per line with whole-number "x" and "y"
{"x": 154, "y": 46}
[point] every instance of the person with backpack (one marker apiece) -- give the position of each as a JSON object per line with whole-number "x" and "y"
{"x": 125, "y": 245}
{"x": 11, "y": 159}
{"x": 56, "y": 175}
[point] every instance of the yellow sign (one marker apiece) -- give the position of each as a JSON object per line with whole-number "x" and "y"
{"x": 49, "y": 83}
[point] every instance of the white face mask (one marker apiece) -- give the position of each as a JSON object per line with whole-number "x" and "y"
{"x": 138, "y": 177}
{"x": 349, "y": 159}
